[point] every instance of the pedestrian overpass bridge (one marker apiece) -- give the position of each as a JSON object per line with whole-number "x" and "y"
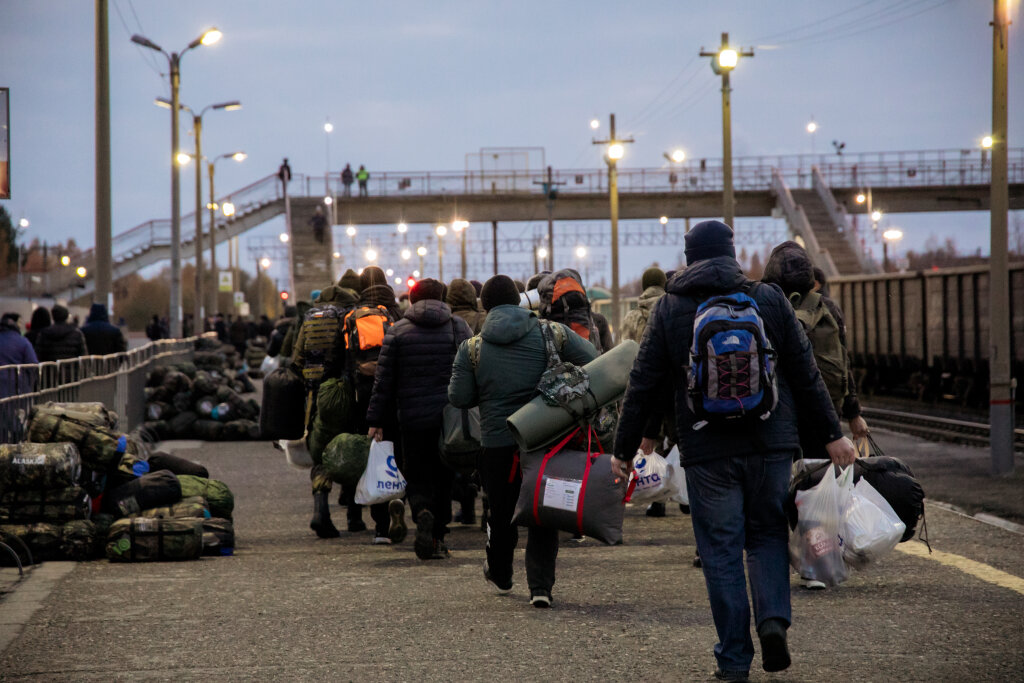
{"x": 816, "y": 194}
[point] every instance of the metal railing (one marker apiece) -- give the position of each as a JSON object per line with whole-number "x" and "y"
{"x": 117, "y": 380}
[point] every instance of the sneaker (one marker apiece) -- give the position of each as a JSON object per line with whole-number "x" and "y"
{"x": 578, "y": 538}
{"x": 397, "y": 530}
{"x": 503, "y": 588}
{"x": 423, "y": 544}
{"x": 813, "y": 585}
{"x": 655, "y": 510}
{"x": 441, "y": 551}
{"x": 381, "y": 540}
{"x": 540, "y": 598}
{"x": 356, "y": 526}
{"x": 774, "y": 651}
{"x": 734, "y": 676}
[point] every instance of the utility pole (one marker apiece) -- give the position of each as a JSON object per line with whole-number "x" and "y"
{"x": 103, "y": 273}
{"x": 198, "y": 308}
{"x": 1000, "y": 381}
{"x": 212, "y": 206}
{"x": 550, "y": 189}
{"x": 614, "y": 152}
{"x": 494, "y": 244}
{"x": 722, "y": 63}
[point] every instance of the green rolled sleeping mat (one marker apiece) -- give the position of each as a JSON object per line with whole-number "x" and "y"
{"x": 42, "y": 539}
{"x": 219, "y": 499}
{"x": 99, "y": 447}
{"x": 538, "y": 424}
{"x": 78, "y": 540}
{"x": 345, "y": 458}
{"x": 38, "y": 466}
{"x": 140, "y": 539}
{"x": 93, "y": 412}
{"x": 53, "y": 506}
{"x": 194, "y": 506}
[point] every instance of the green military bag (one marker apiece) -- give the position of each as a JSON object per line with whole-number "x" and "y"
{"x": 39, "y": 466}
{"x": 345, "y": 457}
{"x": 93, "y": 413}
{"x": 188, "y": 507}
{"x": 141, "y": 539}
{"x": 42, "y": 539}
{"x": 219, "y": 499}
{"x": 99, "y": 447}
{"x": 218, "y": 536}
{"x": 78, "y": 540}
{"x": 54, "y": 506}
{"x": 823, "y": 332}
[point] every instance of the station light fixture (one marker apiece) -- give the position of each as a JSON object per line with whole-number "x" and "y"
{"x": 893, "y": 234}
{"x": 328, "y": 200}
{"x": 398, "y": 281}
{"x": 421, "y": 251}
{"x": 441, "y": 230}
{"x": 228, "y": 209}
{"x": 663, "y": 220}
{"x": 406, "y": 254}
{"x": 403, "y": 228}
{"x": 986, "y": 142}
{"x": 183, "y": 158}
{"x": 371, "y": 254}
{"x": 542, "y": 252}
{"x": 459, "y": 225}
{"x": 23, "y": 223}
{"x": 350, "y": 231}
{"x": 283, "y": 237}
{"x": 728, "y": 59}
{"x": 812, "y": 127}
{"x": 81, "y": 271}
{"x": 389, "y": 272}
{"x": 616, "y": 151}
{"x": 264, "y": 263}
{"x": 239, "y": 156}
{"x": 581, "y": 251}
{"x": 328, "y": 127}
{"x": 594, "y": 124}
{"x": 336, "y": 254}
{"x": 876, "y": 215}
{"x": 415, "y": 273}
{"x": 65, "y": 261}
{"x": 861, "y": 198}
{"x": 678, "y": 156}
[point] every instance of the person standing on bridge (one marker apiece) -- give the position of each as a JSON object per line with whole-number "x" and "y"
{"x": 347, "y": 177}
{"x": 284, "y": 172}
{"x": 736, "y": 476}
{"x": 363, "y": 176}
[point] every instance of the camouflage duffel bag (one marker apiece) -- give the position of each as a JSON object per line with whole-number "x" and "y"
{"x": 94, "y": 413}
{"x": 99, "y": 447}
{"x": 152, "y": 490}
{"x": 41, "y": 538}
{"x": 345, "y": 457}
{"x": 54, "y": 506}
{"x": 188, "y": 507}
{"x": 141, "y": 539}
{"x": 38, "y": 466}
{"x": 218, "y": 536}
{"x": 78, "y": 540}
{"x": 219, "y": 499}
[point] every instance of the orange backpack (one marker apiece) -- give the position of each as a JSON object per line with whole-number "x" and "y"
{"x": 365, "y": 328}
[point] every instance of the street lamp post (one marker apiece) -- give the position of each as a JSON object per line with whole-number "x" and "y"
{"x": 212, "y": 206}
{"x": 421, "y": 251}
{"x": 615, "y": 151}
{"x": 460, "y": 227}
{"x": 441, "y": 232}
{"x": 174, "y": 61}
{"x": 890, "y": 235}
{"x": 722, "y": 63}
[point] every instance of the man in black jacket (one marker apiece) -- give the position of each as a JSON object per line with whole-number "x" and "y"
{"x": 411, "y": 388}
{"x": 737, "y": 474}
{"x": 102, "y": 337}
{"x": 61, "y": 339}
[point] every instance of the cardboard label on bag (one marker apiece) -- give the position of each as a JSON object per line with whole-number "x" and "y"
{"x": 562, "y": 494}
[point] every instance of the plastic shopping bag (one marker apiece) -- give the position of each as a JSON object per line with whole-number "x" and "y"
{"x": 381, "y": 480}
{"x": 296, "y": 453}
{"x": 814, "y": 547}
{"x": 651, "y": 481}
{"x": 269, "y": 364}
{"x": 678, "y": 477}
{"x": 870, "y": 527}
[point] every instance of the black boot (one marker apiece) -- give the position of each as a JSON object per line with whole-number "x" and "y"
{"x": 321, "y": 522}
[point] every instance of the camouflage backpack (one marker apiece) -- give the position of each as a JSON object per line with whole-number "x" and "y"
{"x": 823, "y": 332}
{"x": 320, "y": 330}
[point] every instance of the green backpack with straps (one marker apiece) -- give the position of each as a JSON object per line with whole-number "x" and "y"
{"x": 823, "y": 332}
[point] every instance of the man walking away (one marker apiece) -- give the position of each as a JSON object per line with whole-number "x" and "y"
{"x": 101, "y": 337}
{"x": 362, "y": 175}
{"x": 509, "y": 360}
{"x": 153, "y": 330}
{"x": 61, "y": 339}
{"x": 462, "y": 299}
{"x": 737, "y": 470}
{"x": 346, "y": 179}
{"x": 14, "y": 350}
{"x": 413, "y": 370}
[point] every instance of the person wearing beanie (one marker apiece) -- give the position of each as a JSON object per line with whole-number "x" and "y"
{"x": 462, "y": 298}
{"x": 653, "y": 277}
{"x": 41, "y": 319}
{"x": 410, "y": 389}
{"x": 371, "y": 276}
{"x": 721, "y": 458}
{"x": 350, "y": 280}
{"x": 511, "y": 356}
{"x": 61, "y": 339}
{"x": 635, "y": 322}
{"x": 478, "y": 286}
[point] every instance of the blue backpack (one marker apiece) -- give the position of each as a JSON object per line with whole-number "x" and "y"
{"x": 732, "y": 362}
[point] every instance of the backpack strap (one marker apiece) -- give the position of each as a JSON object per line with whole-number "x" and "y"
{"x": 473, "y": 345}
{"x": 549, "y": 343}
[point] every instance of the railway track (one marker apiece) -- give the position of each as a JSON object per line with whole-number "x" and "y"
{"x": 936, "y": 428}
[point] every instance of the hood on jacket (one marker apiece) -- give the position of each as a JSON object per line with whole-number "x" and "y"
{"x": 98, "y": 313}
{"x": 718, "y": 274}
{"x": 377, "y": 295}
{"x": 650, "y": 297}
{"x": 790, "y": 268}
{"x": 339, "y": 296}
{"x": 429, "y": 313}
{"x": 461, "y": 294}
{"x": 507, "y": 323}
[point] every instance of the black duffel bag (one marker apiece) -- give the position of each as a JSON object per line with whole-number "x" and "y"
{"x": 153, "y": 490}
{"x": 283, "y": 415}
{"x": 160, "y": 460}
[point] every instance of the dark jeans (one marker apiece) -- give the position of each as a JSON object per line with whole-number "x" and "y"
{"x": 501, "y": 479}
{"x": 736, "y": 504}
{"x": 429, "y": 481}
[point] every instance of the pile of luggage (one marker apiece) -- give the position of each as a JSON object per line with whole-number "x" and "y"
{"x": 80, "y": 489}
{"x": 201, "y": 400}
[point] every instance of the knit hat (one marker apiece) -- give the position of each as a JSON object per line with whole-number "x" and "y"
{"x": 709, "y": 239}
{"x": 790, "y": 268}
{"x": 653, "y": 277}
{"x": 427, "y": 288}
{"x": 350, "y": 280}
{"x": 499, "y": 290}
{"x": 478, "y": 286}
{"x": 60, "y": 314}
{"x": 372, "y": 275}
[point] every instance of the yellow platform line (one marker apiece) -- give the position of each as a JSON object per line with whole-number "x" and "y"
{"x": 978, "y": 570}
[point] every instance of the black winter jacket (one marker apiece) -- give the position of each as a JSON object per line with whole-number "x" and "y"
{"x": 101, "y": 337}
{"x": 415, "y": 365}
{"x": 659, "y": 372}
{"x": 60, "y": 341}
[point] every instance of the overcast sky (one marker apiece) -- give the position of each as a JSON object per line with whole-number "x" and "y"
{"x": 416, "y": 86}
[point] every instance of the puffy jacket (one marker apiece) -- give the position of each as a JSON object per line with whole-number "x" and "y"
{"x": 512, "y": 359}
{"x": 636, "y": 320}
{"x": 15, "y": 350}
{"x": 60, "y": 341}
{"x": 415, "y": 365}
{"x": 101, "y": 337}
{"x": 659, "y": 373}
{"x": 462, "y": 299}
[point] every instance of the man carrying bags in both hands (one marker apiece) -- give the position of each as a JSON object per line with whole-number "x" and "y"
{"x": 738, "y": 464}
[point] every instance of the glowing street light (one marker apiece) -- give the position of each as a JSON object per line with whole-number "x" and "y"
{"x": 350, "y": 231}
{"x": 986, "y": 142}
{"x": 678, "y": 156}
{"x": 406, "y": 254}
{"x": 812, "y": 127}
{"x": 228, "y": 209}
{"x": 663, "y": 220}
{"x": 422, "y": 251}
{"x": 23, "y": 223}
{"x": 616, "y": 151}
{"x": 239, "y": 156}
{"x": 542, "y": 253}
{"x": 183, "y": 158}
{"x": 398, "y": 281}
{"x": 328, "y": 127}
{"x": 264, "y": 263}
{"x": 876, "y": 216}
{"x": 81, "y": 271}
{"x": 371, "y": 254}
{"x": 861, "y": 198}
{"x": 581, "y": 252}
{"x": 415, "y": 273}
{"x": 283, "y": 237}
{"x": 336, "y": 254}
{"x": 459, "y": 226}
{"x": 389, "y": 272}
{"x": 328, "y": 200}
{"x": 65, "y": 261}
{"x": 403, "y": 228}
{"x": 728, "y": 59}
{"x": 441, "y": 230}
{"x": 890, "y": 235}
{"x": 594, "y": 124}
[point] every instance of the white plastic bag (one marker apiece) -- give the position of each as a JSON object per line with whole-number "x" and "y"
{"x": 652, "y": 476}
{"x": 269, "y": 364}
{"x": 296, "y": 453}
{"x": 678, "y": 477}
{"x": 815, "y": 549}
{"x": 381, "y": 480}
{"x": 870, "y": 527}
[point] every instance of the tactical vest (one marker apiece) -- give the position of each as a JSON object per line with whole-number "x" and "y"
{"x": 320, "y": 330}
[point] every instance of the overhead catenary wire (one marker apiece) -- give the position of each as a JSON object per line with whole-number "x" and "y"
{"x": 147, "y": 55}
{"x": 877, "y": 26}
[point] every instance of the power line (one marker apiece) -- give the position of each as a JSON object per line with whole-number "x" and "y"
{"x": 875, "y": 27}
{"x": 798, "y": 29}
{"x": 147, "y": 55}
